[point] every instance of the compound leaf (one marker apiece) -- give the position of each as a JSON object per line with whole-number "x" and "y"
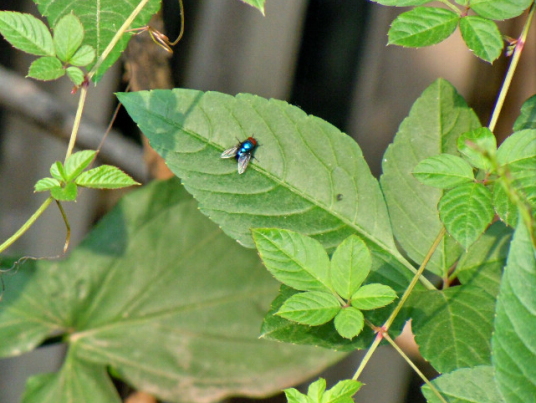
{"x": 110, "y": 15}
{"x": 156, "y": 283}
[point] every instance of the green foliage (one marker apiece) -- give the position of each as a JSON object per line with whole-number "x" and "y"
{"x": 111, "y": 15}
{"x": 156, "y": 282}
{"x": 483, "y": 262}
{"x": 482, "y": 36}
{"x": 373, "y": 296}
{"x": 139, "y": 296}
{"x": 300, "y": 262}
{"x": 466, "y": 211}
{"x": 466, "y": 386}
{"x": 256, "y": 3}
{"x": 444, "y": 171}
{"x": 517, "y": 154}
{"x": 476, "y": 146}
{"x": 350, "y": 266}
{"x": 46, "y": 69}
{"x": 30, "y": 35}
{"x": 499, "y": 9}
{"x": 435, "y": 122}
{"x": 513, "y": 342}
{"x": 68, "y": 37}
{"x": 63, "y": 185}
{"x": 310, "y": 308}
{"x": 422, "y": 26}
{"x": 527, "y": 116}
{"x": 105, "y": 177}
{"x": 26, "y": 33}
{"x": 199, "y": 126}
{"x": 453, "y": 327}
{"x": 342, "y": 392}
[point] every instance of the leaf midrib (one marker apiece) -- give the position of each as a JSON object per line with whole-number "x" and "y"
{"x": 287, "y": 186}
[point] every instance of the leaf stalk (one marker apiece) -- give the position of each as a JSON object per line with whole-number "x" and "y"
{"x": 403, "y": 299}
{"x": 511, "y": 69}
{"x": 26, "y": 225}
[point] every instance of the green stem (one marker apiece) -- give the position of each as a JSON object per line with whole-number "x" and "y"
{"x": 77, "y": 120}
{"x": 367, "y": 356}
{"x": 511, "y": 69}
{"x": 117, "y": 37}
{"x": 403, "y": 299}
{"x": 451, "y": 6}
{"x": 412, "y": 365}
{"x": 414, "y": 281}
{"x": 26, "y": 225}
{"x": 67, "y": 226}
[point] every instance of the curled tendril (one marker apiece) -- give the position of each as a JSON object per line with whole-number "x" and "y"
{"x": 158, "y": 37}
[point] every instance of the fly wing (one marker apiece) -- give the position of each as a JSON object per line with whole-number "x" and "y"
{"x": 230, "y": 153}
{"x": 243, "y": 162}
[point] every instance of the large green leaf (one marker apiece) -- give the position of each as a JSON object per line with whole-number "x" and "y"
{"x": 101, "y": 19}
{"x": 513, "y": 343}
{"x": 78, "y": 381}
{"x": 435, "y": 122}
{"x": 467, "y": 385}
{"x": 161, "y": 295}
{"x": 301, "y": 169}
{"x": 453, "y": 327}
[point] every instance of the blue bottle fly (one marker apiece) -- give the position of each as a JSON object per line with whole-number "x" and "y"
{"x": 243, "y": 152}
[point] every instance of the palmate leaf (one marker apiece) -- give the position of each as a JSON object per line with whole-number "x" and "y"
{"x": 109, "y": 15}
{"x": 302, "y": 164}
{"x": 161, "y": 295}
{"x": 435, "y": 122}
{"x": 78, "y": 380}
